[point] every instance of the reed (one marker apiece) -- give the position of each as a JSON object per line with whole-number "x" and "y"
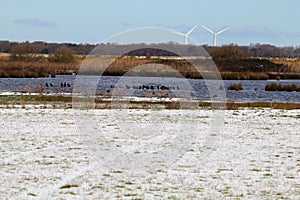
{"x": 20, "y": 69}
{"x": 236, "y": 86}
{"x": 244, "y": 76}
{"x": 131, "y": 66}
{"x": 58, "y": 101}
{"x": 280, "y": 87}
{"x": 273, "y": 105}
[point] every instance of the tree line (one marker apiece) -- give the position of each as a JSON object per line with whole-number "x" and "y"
{"x": 252, "y": 50}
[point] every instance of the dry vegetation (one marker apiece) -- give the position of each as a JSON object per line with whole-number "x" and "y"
{"x": 273, "y": 105}
{"x": 60, "y": 101}
{"x": 151, "y": 67}
{"x": 25, "y": 60}
{"x": 174, "y": 68}
{"x": 245, "y": 75}
{"x": 279, "y": 87}
{"x": 19, "y": 69}
{"x": 294, "y": 64}
{"x": 236, "y": 86}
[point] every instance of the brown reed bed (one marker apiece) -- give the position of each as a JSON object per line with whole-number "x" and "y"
{"x": 294, "y": 64}
{"x": 273, "y": 105}
{"x": 110, "y": 66}
{"x": 20, "y": 69}
{"x": 244, "y": 75}
{"x": 282, "y": 87}
{"x": 235, "y": 86}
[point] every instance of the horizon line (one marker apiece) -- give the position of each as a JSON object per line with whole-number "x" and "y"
{"x": 170, "y": 42}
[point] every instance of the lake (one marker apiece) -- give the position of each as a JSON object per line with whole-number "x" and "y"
{"x": 253, "y": 90}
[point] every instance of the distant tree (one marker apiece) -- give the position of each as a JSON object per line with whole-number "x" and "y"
{"x": 63, "y": 55}
{"x": 6, "y": 46}
{"x": 228, "y": 52}
{"x": 228, "y": 57}
{"x": 25, "y": 52}
{"x": 297, "y": 52}
{"x": 29, "y": 51}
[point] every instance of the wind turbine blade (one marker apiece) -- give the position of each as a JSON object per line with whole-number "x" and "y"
{"x": 178, "y": 33}
{"x": 191, "y": 30}
{"x": 225, "y": 29}
{"x": 208, "y": 29}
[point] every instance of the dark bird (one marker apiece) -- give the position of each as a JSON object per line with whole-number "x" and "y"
{"x": 47, "y": 85}
{"x": 68, "y": 85}
{"x": 164, "y": 88}
{"x": 51, "y": 85}
{"x": 145, "y": 87}
{"x": 65, "y": 84}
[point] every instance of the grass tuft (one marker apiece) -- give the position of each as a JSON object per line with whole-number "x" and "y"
{"x": 236, "y": 86}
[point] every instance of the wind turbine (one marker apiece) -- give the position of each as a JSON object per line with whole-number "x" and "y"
{"x": 186, "y": 35}
{"x": 215, "y": 33}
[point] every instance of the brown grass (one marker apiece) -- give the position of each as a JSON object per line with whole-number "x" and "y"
{"x": 232, "y": 105}
{"x": 111, "y": 66}
{"x": 244, "y": 76}
{"x": 66, "y": 101}
{"x": 236, "y": 86}
{"x": 19, "y": 69}
{"x": 274, "y": 105}
{"x": 294, "y": 64}
{"x": 279, "y": 87}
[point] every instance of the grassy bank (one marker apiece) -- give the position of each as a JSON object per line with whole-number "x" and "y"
{"x": 60, "y": 101}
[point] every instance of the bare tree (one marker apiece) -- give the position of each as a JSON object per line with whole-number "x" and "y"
{"x": 25, "y": 52}
{"x": 63, "y": 55}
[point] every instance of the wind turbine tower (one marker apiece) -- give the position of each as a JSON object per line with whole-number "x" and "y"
{"x": 186, "y": 35}
{"x": 215, "y": 33}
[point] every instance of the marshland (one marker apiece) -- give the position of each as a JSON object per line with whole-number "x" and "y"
{"x": 251, "y": 147}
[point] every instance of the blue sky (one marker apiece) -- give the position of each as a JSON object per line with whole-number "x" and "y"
{"x": 92, "y": 21}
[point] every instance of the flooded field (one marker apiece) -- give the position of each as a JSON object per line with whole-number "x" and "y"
{"x": 257, "y": 156}
{"x": 253, "y": 90}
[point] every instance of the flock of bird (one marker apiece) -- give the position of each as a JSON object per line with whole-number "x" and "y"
{"x": 62, "y": 85}
{"x": 147, "y": 87}
{"x": 140, "y": 87}
{"x": 152, "y": 87}
{"x": 128, "y": 87}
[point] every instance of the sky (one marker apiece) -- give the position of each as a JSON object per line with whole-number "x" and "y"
{"x": 275, "y": 22}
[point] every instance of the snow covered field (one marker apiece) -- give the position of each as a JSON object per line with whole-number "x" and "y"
{"x": 257, "y": 157}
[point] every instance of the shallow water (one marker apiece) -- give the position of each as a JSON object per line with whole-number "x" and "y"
{"x": 253, "y": 89}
